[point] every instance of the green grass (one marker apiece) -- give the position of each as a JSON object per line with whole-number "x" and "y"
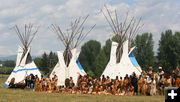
{"x": 18, "y": 95}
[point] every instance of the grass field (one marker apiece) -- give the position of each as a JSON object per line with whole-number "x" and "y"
{"x": 18, "y": 95}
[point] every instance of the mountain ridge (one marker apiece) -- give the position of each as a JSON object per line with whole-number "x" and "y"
{"x": 12, "y": 57}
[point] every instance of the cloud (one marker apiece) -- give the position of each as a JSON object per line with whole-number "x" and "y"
{"x": 157, "y": 16}
{"x": 5, "y": 52}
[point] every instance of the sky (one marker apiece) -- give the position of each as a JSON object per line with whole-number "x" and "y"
{"x": 157, "y": 16}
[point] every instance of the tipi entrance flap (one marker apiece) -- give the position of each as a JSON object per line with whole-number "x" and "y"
{"x": 113, "y": 52}
{"x": 125, "y": 52}
{"x": 73, "y": 51}
{"x": 77, "y": 55}
{"x": 125, "y": 47}
{"x": 19, "y": 55}
{"x": 61, "y": 59}
{"x": 132, "y": 49}
{"x": 74, "y": 56}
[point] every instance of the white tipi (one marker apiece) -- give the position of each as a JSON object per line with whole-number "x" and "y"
{"x": 24, "y": 63}
{"x": 68, "y": 64}
{"x": 73, "y": 70}
{"x": 125, "y": 66}
{"x": 122, "y": 61}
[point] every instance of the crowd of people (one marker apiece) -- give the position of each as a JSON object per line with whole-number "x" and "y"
{"x": 148, "y": 83}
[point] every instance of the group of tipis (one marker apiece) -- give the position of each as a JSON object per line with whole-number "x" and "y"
{"x": 68, "y": 64}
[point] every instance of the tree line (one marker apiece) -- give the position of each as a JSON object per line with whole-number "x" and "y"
{"x": 6, "y": 66}
{"x": 94, "y": 57}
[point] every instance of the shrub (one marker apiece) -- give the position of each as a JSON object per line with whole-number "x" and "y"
{"x": 6, "y": 70}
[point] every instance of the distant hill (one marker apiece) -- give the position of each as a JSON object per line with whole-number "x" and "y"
{"x": 13, "y": 57}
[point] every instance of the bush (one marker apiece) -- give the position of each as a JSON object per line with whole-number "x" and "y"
{"x": 8, "y": 63}
{"x": 6, "y": 70}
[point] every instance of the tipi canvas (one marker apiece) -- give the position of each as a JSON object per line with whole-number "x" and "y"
{"x": 125, "y": 66}
{"x": 73, "y": 70}
{"x": 23, "y": 69}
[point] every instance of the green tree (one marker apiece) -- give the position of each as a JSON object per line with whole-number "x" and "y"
{"x": 103, "y": 58}
{"x": 38, "y": 62}
{"x": 144, "y": 50}
{"x": 8, "y": 63}
{"x": 6, "y": 70}
{"x": 177, "y": 47}
{"x": 168, "y": 51}
{"x": 107, "y": 49}
{"x": 100, "y": 63}
{"x": 89, "y": 52}
{"x": 46, "y": 62}
{"x": 53, "y": 59}
{"x": 44, "y": 66}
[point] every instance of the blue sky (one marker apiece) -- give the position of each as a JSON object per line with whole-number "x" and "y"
{"x": 157, "y": 16}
